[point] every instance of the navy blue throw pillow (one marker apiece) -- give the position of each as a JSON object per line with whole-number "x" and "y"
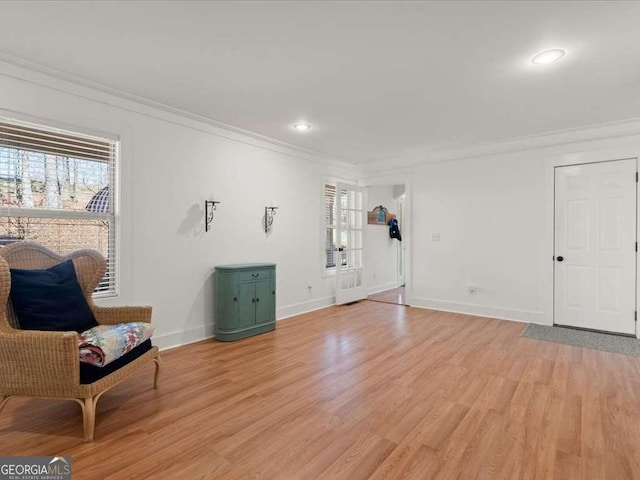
{"x": 50, "y": 299}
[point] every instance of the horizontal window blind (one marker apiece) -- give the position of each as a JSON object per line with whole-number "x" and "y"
{"x": 57, "y": 189}
{"x": 330, "y": 226}
{"x": 25, "y": 138}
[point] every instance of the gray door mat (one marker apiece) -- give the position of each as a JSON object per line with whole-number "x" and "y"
{"x": 583, "y": 338}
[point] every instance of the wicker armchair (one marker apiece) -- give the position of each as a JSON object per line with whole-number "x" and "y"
{"x": 54, "y": 372}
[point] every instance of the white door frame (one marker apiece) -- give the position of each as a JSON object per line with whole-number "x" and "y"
{"x": 406, "y": 180}
{"x": 401, "y": 246}
{"x": 575, "y": 158}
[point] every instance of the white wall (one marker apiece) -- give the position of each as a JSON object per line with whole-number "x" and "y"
{"x": 381, "y": 261}
{"x": 169, "y": 166}
{"x": 493, "y": 217}
{"x": 489, "y": 211}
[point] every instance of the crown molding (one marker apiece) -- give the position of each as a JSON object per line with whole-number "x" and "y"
{"x": 28, "y": 71}
{"x": 568, "y": 136}
{"x": 35, "y": 73}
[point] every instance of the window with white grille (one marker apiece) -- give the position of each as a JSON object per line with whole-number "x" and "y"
{"x": 57, "y": 189}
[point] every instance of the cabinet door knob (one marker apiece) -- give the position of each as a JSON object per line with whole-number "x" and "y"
{"x": 253, "y": 300}
{"x": 254, "y": 275}
{"x": 257, "y": 299}
{"x": 235, "y": 299}
{"x": 274, "y": 292}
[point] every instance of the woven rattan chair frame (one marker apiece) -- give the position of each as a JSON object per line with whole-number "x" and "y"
{"x": 47, "y": 364}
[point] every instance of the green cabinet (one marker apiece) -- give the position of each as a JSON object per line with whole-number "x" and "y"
{"x": 245, "y": 300}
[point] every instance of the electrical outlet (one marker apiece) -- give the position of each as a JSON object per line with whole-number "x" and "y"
{"x": 473, "y": 289}
{"x": 435, "y": 237}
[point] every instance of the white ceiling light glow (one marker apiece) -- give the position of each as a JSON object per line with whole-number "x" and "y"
{"x": 302, "y": 127}
{"x": 548, "y": 56}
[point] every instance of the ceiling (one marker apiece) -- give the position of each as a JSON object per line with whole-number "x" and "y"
{"x": 379, "y": 81}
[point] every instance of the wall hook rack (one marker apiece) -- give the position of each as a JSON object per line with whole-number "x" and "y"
{"x": 209, "y": 207}
{"x": 379, "y": 216}
{"x": 269, "y": 213}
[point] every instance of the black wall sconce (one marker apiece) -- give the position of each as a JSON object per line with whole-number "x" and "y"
{"x": 209, "y": 207}
{"x": 269, "y": 213}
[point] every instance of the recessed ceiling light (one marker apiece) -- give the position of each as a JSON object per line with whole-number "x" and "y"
{"x": 548, "y": 56}
{"x": 302, "y": 127}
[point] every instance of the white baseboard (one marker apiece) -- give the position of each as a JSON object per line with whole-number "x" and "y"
{"x": 304, "y": 307}
{"x": 381, "y": 288}
{"x": 501, "y": 313}
{"x": 184, "y": 337}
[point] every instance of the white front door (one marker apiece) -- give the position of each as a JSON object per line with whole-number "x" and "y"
{"x": 350, "y": 215}
{"x": 595, "y": 246}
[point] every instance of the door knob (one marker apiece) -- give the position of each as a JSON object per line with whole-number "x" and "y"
{"x": 560, "y": 258}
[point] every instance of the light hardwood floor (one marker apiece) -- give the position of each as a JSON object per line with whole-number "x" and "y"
{"x": 395, "y": 296}
{"x": 370, "y": 390}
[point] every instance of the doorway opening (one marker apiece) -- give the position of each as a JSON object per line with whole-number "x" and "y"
{"x": 385, "y": 264}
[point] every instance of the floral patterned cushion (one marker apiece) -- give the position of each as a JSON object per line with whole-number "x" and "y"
{"x": 103, "y": 344}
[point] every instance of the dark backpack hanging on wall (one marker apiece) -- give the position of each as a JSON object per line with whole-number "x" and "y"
{"x": 394, "y": 230}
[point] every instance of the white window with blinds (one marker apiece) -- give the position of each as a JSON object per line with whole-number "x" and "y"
{"x": 57, "y": 189}
{"x": 335, "y": 249}
{"x": 330, "y": 227}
